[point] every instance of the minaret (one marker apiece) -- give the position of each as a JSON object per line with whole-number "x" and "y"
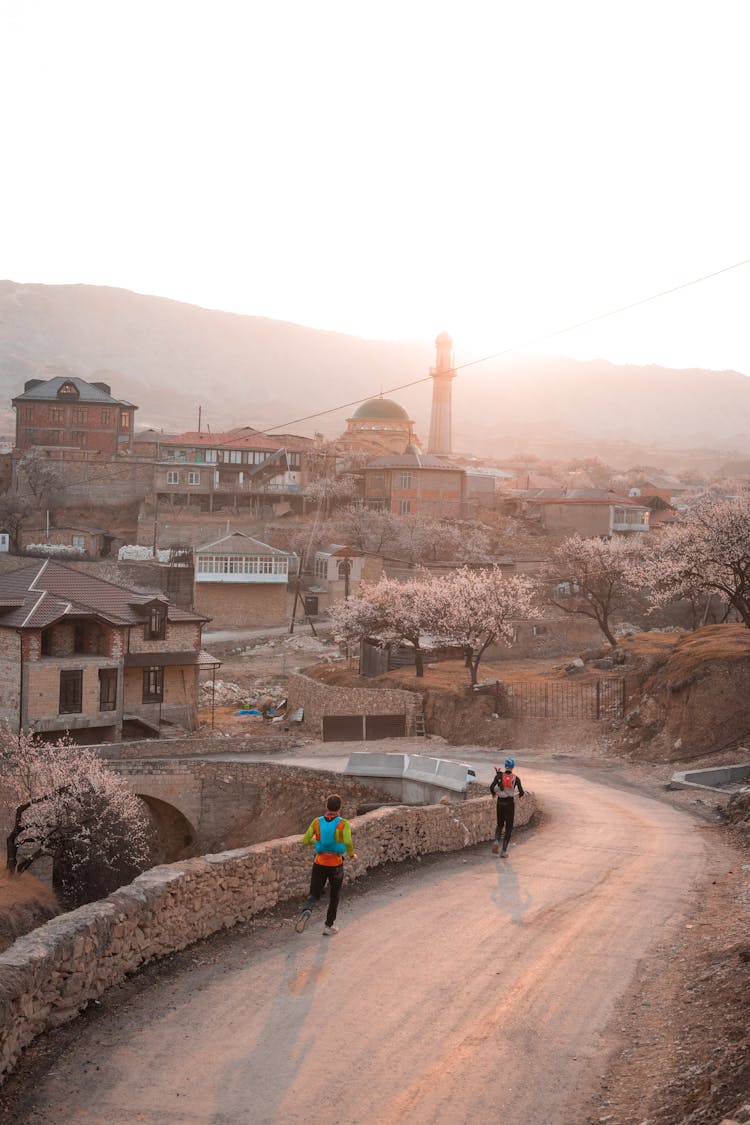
{"x": 443, "y": 373}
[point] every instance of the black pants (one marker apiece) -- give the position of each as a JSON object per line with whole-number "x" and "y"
{"x": 321, "y": 875}
{"x": 506, "y": 812}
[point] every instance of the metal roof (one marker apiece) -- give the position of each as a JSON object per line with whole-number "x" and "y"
{"x": 47, "y": 389}
{"x": 237, "y": 543}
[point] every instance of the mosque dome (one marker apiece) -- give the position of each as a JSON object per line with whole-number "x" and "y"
{"x": 381, "y": 408}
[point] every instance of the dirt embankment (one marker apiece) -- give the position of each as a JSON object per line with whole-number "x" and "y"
{"x": 25, "y": 903}
{"x": 691, "y": 693}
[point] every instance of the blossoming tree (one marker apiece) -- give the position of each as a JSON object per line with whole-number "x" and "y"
{"x": 479, "y": 608}
{"x": 393, "y": 611}
{"x": 708, "y": 553}
{"x": 592, "y": 578}
{"x": 62, "y": 801}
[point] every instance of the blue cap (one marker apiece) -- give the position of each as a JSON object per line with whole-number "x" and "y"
{"x": 509, "y": 763}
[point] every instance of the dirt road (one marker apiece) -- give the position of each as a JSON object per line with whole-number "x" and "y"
{"x": 475, "y": 990}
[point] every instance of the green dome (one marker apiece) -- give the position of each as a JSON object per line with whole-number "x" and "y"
{"x": 381, "y": 408}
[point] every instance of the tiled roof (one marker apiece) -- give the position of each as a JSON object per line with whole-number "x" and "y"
{"x": 44, "y": 592}
{"x": 46, "y": 390}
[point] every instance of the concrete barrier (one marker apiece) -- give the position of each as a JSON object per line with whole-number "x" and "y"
{"x": 414, "y": 778}
{"x": 719, "y": 779}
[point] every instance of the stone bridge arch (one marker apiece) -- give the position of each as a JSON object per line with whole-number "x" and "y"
{"x": 172, "y": 796}
{"x": 175, "y": 837}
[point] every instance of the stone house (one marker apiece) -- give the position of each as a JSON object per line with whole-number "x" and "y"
{"x": 241, "y": 582}
{"x": 589, "y": 512}
{"x": 337, "y": 573}
{"x": 84, "y": 656}
{"x": 88, "y": 542}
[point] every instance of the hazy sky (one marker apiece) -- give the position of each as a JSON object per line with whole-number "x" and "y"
{"x": 391, "y": 169}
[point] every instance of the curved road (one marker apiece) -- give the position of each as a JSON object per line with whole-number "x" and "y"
{"x": 476, "y": 990}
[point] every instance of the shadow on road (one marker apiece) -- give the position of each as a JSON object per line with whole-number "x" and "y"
{"x": 511, "y": 900}
{"x": 287, "y": 1036}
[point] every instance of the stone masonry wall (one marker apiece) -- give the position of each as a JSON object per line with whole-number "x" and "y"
{"x": 49, "y": 975}
{"x": 197, "y": 744}
{"x": 321, "y": 699}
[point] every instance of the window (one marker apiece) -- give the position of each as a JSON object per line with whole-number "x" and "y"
{"x": 404, "y": 507}
{"x": 212, "y": 455}
{"x": 80, "y": 416}
{"x": 124, "y": 420}
{"x": 153, "y": 685}
{"x": 407, "y": 480}
{"x": 79, "y": 541}
{"x": 79, "y": 437}
{"x": 156, "y": 626}
{"x": 107, "y": 689}
{"x": 46, "y": 645}
{"x": 321, "y": 566}
{"x": 105, "y": 417}
{"x": 294, "y": 460}
{"x": 235, "y": 456}
{"x": 71, "y": 691}
{"x": 28, "y": 414}
{"x": 173, "y": 477}
{"x": 56, "y": 415}
{"x": 194, "y": 478}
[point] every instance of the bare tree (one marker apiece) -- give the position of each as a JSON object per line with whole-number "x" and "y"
{"x": 43, "y": 479}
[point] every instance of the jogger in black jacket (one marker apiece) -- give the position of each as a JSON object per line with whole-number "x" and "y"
{"x": 505, "y": 785}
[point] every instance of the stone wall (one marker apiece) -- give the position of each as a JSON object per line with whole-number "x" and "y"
{"x": 321, "y": 699}
{"x": 198, "y": 744}
{"x": 49, "y": 975}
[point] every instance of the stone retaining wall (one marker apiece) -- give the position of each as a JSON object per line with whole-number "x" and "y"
{"x": 197, "y": 744}
{"x": 49, "y": 975}
{"x": 319, "y": 699}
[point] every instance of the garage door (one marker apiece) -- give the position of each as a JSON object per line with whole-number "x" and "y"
{"x": 343, "y": 728}
{"x": 385, "y": 726}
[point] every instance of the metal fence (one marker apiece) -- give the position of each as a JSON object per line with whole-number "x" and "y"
{"x": 603, "y": 699}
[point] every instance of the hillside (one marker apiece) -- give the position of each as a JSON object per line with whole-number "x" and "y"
{"x": 169, "y": 357}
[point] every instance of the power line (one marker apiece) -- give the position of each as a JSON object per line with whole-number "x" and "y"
{"x": 518, "y": 347}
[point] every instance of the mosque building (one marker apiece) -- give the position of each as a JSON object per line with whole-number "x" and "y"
{"x": 382, "y": 426}
{"x": 378, "y": 426}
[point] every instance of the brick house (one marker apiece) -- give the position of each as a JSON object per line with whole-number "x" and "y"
{"x": 414, "y": 484}
{"x": 240, "y": 581}
{"x": 82, "y": 655}
{"x": 73, "y": 418}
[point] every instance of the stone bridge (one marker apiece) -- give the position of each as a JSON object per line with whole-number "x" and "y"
{"x": 200, "y": 805}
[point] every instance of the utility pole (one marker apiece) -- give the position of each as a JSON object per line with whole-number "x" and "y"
{"x": 200, "y": 408}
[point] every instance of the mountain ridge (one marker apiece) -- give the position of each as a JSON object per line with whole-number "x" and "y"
{"x": 169, "y": 357}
